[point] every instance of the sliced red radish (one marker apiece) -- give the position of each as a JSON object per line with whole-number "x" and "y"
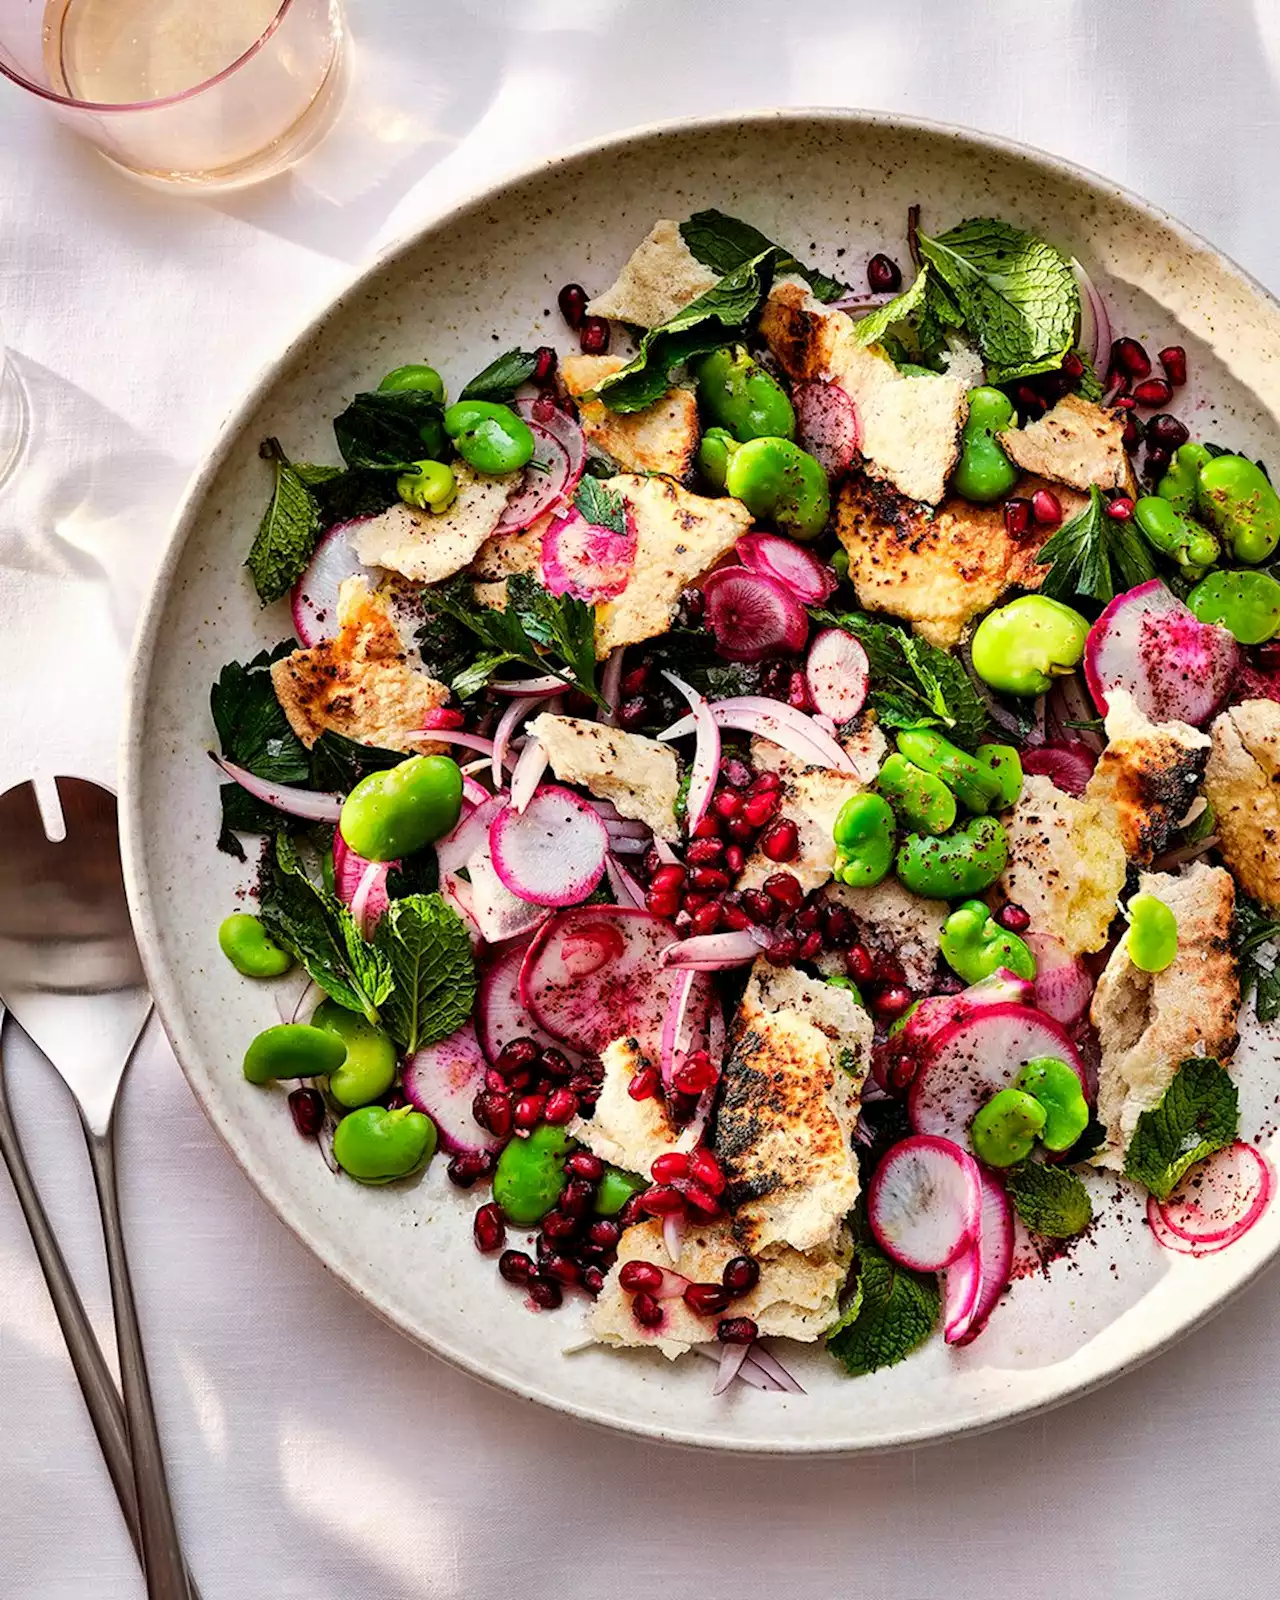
{"x": 1063, "y": 987}
{"x": 896, "y": 1060}
{"x": 995, "y": 1256}
{"x": 925, "y": 1203}
{"x": 457, "y": 893}
{"x": 810, "y": 580}
{"x": 837, "y": 673}
{"x": 314, "y": 600}
{"x": 1175, "y": 666}
{"x": 544, "y": 416}
{"x": 977, "y": 1055}
{"x": 1219, "y": 1199}
{"x": 349, "y": 874}
{"x": 309, "y": 804}
{"x": 500, "y": 915}
{"x": 551, "y": 853}
{"x": 547, "y": 484}
{"x": 443, "y": 1080}
{"x": 586, "y": 561}
{"x": 1069, "y": 766}
{"x": 501, "y": 1015}
{"x": 753, "y": 616}
{"x": 706, "y": 755}
{"x": 468, "y": 836}
{"x": 961, "y": 1285}
{"x": 781, "y": 724}
{"x": 826, "y": 424}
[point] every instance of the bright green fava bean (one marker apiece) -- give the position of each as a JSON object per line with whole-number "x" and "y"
{"x": 1247, "y": 604}
{"x": 293, "y": 1050}
{"x": 1181, "y": 483}
{"x": 530, "y": 1175}
{"x": 1057, "y": 1088}
{"x": 985, "y": 473}
{"x": 491, "y": 438}
{"x": 736, "y": 393}
{"x": 391, "y": 814}
{"x": 958, "y": 864}
{"x": 863, "y": 835}
{"x": 378, "y": 1146}
{"x": 921, "y": 801}
{"x": 974, "y": 945}
{"x": 414, "y": 376}
{"x": 370, "y": 1067}
{"x": 781, "y": 483}
{"x": 974, "y": 785}
{"x": 1153, "y": 933}
{"x": 1003, "y": 762}
{"x": 1179, "y": 537}
{"x": 1022, "y": 647}
{"x": 1006, "y": 1128}
{"x": 431, "y": 486}
{"x": 1235, "y": 496}
{"x": 714, "y": 452}
{"x": 249, "y": 947}
{"x": 615, "y": 1189}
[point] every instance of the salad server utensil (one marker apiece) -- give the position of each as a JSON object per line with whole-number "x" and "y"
{"x": 71, "y": 976}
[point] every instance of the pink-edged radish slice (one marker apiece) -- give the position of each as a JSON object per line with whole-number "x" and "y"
{"x": 456, "y": 892}
{"x": 1169, "y": 1240}
{"x": 551, "y": 853}
{"x": 995, "y": 1256}
{"x": 586, "y": 561}
{"x": 837, "y": 673}
{"x": 592, "y": 975}
{"x": 501, "y": 1015}
{"x": 810, "y": 580}
{"x": 469, "y": 835}
{"x": 349, "y": 873}
{"x": 970, "y": 1060}
{"x": 499, "y": 914}
{"x": 826, "y": 424}
{"x": 896, "y": 1060}
{"x": 961, "y": 1286}
{"x": 706, "y": 754}
{"x": 314, "y": 600}
{"x": 1176, "y": 667}
{"x": 442, "y": 1080}
{"x": 1220, "y": 1198}
{"x": 544, "y": 416}
{"x": 1063, "y": 987}
{"x": 753, "y": 616}
{"x": 547, "y": 483}
{"x": 1068, "y": 766}
{"x": 925, "y": 1203}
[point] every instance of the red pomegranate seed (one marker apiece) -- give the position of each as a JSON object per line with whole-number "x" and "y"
{"x": 1046, "y": 508}
{"x": 306, "y": 1106}
{"x": 463, "y": 1170}
{"x": 1072, "y": 365}
{"x": 1121, "y": 508}
{"x": 633, "y": 713}
{"x": 740, "y": 830}
{"x": 1017, "y": 518}
{"x": 494, "y": 1080}
{"x": 572, "y": 301}
{"x": 735, "y": 858}
{"x": 592, "y": 1280}
{"x": 562, "y": 1269}
{"x": 740, "y": 1275}
{"x": 1128, "y": 356}
{"x": 736, "y": 1330}
{"x": 693, "y": 900}
{"x": 759, "y": 906}
{"x": 839, "y": 926}
{"x": 582, "y": 1164}
{"x": 636, "y": 681}
{"x": 646, "y": 1310}
{"x": 667, "y": 878}
{"x": 858, "y": 964}
{"x": 704, "y": 852}
{"x": 734, "y": 917}
{"x": 708, "y": 880}
{"x": 699, "y": 1198}
{"x": 637, "y": 1275}
{"x": 1132, "y": 436}
{"x": 515, "y": 1266}
{"x": 561, "y": 1107}
{"x": 662, "y": 905}
{"x": 558, "y": 1227}
{"x": 1173, "y": 358}
{"x": 809, "y": 920}
{"x": 891, "y": 1001}
{"x": 545, "y": 1293}
{"x": 706, "y": 1299}
{"x": 555, "y": 1064}
{"x": 544, "y": 369}
{"x": 662, "y": 1201}
{"x": 706, "y": 919}
{"x": 780, "y": 841}
{"x": 798, "y": 692}
{"x": 784, "y": 887}
{"x": 698, "y": 1073}
{"x": 578, "y": 1195}
{"x": 765, "y": 783}
{"x": 725, "y": 803}
{"x": 1014, "y": 918}
{"x": 784, "y": 949}
{"x": 605, "y": 1232}
{"x": 593, "y": 338}
{"x": 493, "y": 1112}
{"x": 708, "y": 828}
{"x": 1156, "y": 460}
{"x": 758, "y": 808}
{"x": 1153, "y": 392}
{"x": 489, "y": 1228}
{"x": 528, "y": 1112}
{"x": 1033, "y": 401}
{"x": 884, "y": 274}
{"x": 644, "y": 1084}
{"x": 810, "y": 946}
{"x": 705, "y": 1169}
{"x": 670, "y": 1164}
{"x": 1167, "y": 431}
{"x": 887, "y": 968}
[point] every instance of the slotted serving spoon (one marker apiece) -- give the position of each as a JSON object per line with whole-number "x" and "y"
{"x": 70, "y": 975}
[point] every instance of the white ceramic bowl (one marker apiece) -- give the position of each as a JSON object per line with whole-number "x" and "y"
{"x": 835, "y": 186}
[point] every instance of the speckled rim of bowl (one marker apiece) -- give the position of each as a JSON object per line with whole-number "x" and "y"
{"x": 131, "y": 821}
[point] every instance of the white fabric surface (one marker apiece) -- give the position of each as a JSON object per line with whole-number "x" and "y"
{"x": 313, "y": 1453}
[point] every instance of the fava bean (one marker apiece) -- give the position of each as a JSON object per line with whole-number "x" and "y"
{"x": 958, "y": 864}
{"x": 736, "y": 393}
{"x": 921, "y": 802}
{"x": 1022, "y": 647}
{"x": 1153, "y": 933}
{"x": 1181, "y": 483}
{"x": 1005, "y": 1129}
{"x": 250, "y": 948}
{"x": 974, "y": 785}
{"x": 1174, "y": 535}
{"x": 614, "y": 1190}
{"x": 293, "y": 1050}
{"x": 863, "y": 835}
{"x": 1057, "y": 1088}
{"x": 1236, "y": 498}
{"x": 714, "y": 453}
{"x": 781, "y": 483}
{"x": 414, "y": 376}
{"x": 370, "y": 1067}
{"x": 530, "y": 1175}
{"x": 491, "y": 438}
{"x": 375, "y": 1145}
{"x": 1247, "y": 604}
{"x": 393, "y": 813}
{"x": 1004, "y": 763}
{"x": 984, "y": 472}
{"x": 431, "y": 486}
{"x": 974, "y": 945}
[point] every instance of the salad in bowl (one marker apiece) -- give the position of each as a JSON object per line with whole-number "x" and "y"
{"x": 777, "y": 801}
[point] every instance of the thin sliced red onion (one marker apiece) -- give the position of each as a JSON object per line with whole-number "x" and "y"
{"x": 861, "y": 302}
{"x": 673, "y": 1239}
{"x": 508, "y": 722}
{"x": 610, "y": 685}
{"x": 372, "y": 878}
{"x": 626, "y": 891}
{"x": 625, "y": 828}
{"x": 536, "y": 687}
{"x": 1095, "y": 324}
{"x": 673, "y": 1284}
{"x": 781, "y": 724}
{"x": 468, "y": 741}
{"x": 706, "y": 753}
{"x": 666, "y": 854}
{"x": 305, "y": 803}
{"x": 527, "y": 773}
{"x": 732, "y": 1357}
{"x": 769, "y": 1363}
{"x": 746, "y": 1371}
{"x": 712, "y": 952}
{"x": 624, "y": 845}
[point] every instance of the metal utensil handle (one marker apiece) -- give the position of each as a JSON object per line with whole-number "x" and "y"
{"x": 161, "y": 1553}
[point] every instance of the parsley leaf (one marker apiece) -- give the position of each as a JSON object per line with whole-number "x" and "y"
{"x": 1198, "y": 1114}
{"x": 1086, "y": 555}
{"x": 288, "y": 531}
{"x": 600, "y": 506}
{"x": 1013, "y": 293}
{"x": 252, "y": 727}
{"x": 502, "y": 377}
{"x": 384, "y": 429}
{"x": 892, "y": 1312}
{"x": 1050, "y": 1200}
{"x": 320, "y": 931}
{"x": 722, "y": 243}
{"x": 426, "y": 948}
{"x": 902, "y": 308}
{"x": 1259, "y": 971}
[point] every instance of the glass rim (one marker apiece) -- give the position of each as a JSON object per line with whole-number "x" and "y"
{"x": 74, "y": 104}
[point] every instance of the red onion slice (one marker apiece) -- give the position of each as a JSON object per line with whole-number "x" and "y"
{"x": 536, "y": 687}
{"x": 1095, "y": 324}
{"x": 1067, "y": 766}
{"x": 626, "y": 890}
{"x": 611, "y": 683}
{"x": 684, "y": 1022}
{"x": 527, "y": 774}
{"x": 769, "y": 1364}
{"x": 780, "y": 724}
{"x": 468, "y": 741}
{"x": 713, "y": 952}
{"x": 307, "y": 804}
{"x": 673, "y": 1241}
{"x": 508, "y": 722}
{"x": 706, "y": 754}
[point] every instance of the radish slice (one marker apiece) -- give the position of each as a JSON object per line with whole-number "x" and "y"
{"x": 925, "y": 1203}
{"x": 1069, "y": 766}
{"x": 995, "y": 1255}
{"x": 1221, "y": 1198}
{"x": 586, "y": 561}
{"x": 544, "y": 416}
{"x": 753, "y": 616}
{"x": 546, "y": 484}
{"x": 553, "y": 851}
{"x": 499, "y": 914}
{"x": 974, "y": 1057}
{"x": 826, "y": 424}
{"x": 781, "y": 724}
{"x": 897, "y": 1059}
{"x": 961, "y": 1285}
{"x": 443, "y": 1080}
{"x": 810, "y": 580}
{"x": 627, "y": 891}
{"x": 1063, "y": 988}
{"x": 456, "y": 849}
{"x": 457, "y": 892}
{"x": 314, "y": 600}
{"x": 706, "y": 755}
{"x": 1175, "y": 666}
{"x": 473, "y": 793}
{"x": 501, "y": 1015}
{"x": 309, "y": 804}
{"x": 349, "y": 874}
{"x": 837, "y": 673}
{"x": 713, "y": 952}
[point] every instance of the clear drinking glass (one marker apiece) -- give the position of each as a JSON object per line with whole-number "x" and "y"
{"x": 13, "y": 413}
{"x": 208, "y": 93}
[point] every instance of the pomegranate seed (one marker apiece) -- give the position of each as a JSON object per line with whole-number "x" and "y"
{"x": 578, "y": 1195}
{"x": 706, "y": 919}
{"x": 1121, "y": 508}
{"x": 693, "y": 900}
{"x": 582, "y": 1164}
{"x": 545, "y": 361}
{"x": 740, "y": 830}
{"x": 798, "y": 692}
{"x": 545, "y": 1293}
{"x": 759, "y": 808}
{"x": 670, "y": 1164}
{"x": 1167, "y": 431}
{"x": 839, "y": 926}
{"x": 704, "y": 852}
{"x": 528, "y": 1112}
{"x": 705, "y": 1169}
{"x": 784, "y": 887}
{"x": 515, "y": 1266}
{"x": 1173, "y": 358}
{"x": 784, "y": 948}
{"x": 662, "y": 905}
{"x": 759, "y": 906}
{"x": 884, "y": 274}
{"x": 1131, "y": 438}
{"x": 891, "y": 1001}
{"x": 708, "y": 880}
{"x": 698, "y": 1073}
{"x": 489, "y": 1228}
{"x": 605, "y": 1233}
{"x": 1046, "y": 508}
{"x": 1014, "y": 918}
{"x": 725, "y": 803}
{"x": 1128, "y": 356}
{"x": 644, "y": 1084}
{"x": 493, "y": 1112}
{"x": 636, "y": 681}
{"x": 562, "y": 1269}
{"x": 780, "y": 841}
{"x": 646, "y": 1310}
{"x": 650, "y": 862}
{"x": 857, "y": 963}
{"x": 765, "y": 783}
{"x": 708, "y": 828}
{"x": 735, "y": 859}
{"x": 1017, "y": 518}
{"x": 1153, "y": 392}
{"x": 663, "y": 1201}
{"x": 1072, "y": 365}
{"x": 494, "y": 1080}
{"x": 463, "y": 1171}
{"x": 561, "y": 1107}
{"x": 636, "y": 1275}
{"x": 592, "y": 1280}
{"x": 631, "y": 1213}
{"x": 887, "y": 969}
{"x": 306, "y": 1106}
{"x": 810, "y": 919}
{"x": 1031, "y": 399}
{"x": 572, "y": 301}
{"x": 734, "y": 916}
{"x": 740, "y": 1275}
{"x": 1157, "y": 460}
{"x": 1124, "y": 402}
{"x": 706, "y": 1299}
{"x": 555, "y": 1063}
{"x": 736, "y": 1330}
{"x": 558, "y": 1227}
{"x": 810, "y": 946}
{"x": 735, "y": 772}
{"x": 667, "y": 878}
{"x": 593, "y": 338}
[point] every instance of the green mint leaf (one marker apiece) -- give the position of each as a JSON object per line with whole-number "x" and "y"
{"x": 1050, "y": 1200}
{"x": 548, "y": 633}
{"x": 252, "y": 727}
{"x": 892, "y": 1313}
{"x": 1013, "y": 293}
{"x": 315, "y": 476}
{"x": 339, "y": 763}
{"x": 428, "y": 951}
{"x": 384, "y": 430}
{"x": 1254, "y": 936}
{"x": 600, "y": 506}
{"x": 446, "y": 645}
{"x": 355, "y": 492}
{"x": 502, "y": 377}
{"x": 1088, "y": 384}
{"x": 1198, "y": 1114}
{"x": 288, "y": 531}
{"x": 321, "y": 933}
{"x": 872, "y": 328}
{"x": 723, "y": 243}
{"x": 468, "y": 681}
{"x": 1094, "y": 556}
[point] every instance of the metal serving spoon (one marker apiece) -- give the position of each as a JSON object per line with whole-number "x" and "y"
{"x": 70, "y": 974}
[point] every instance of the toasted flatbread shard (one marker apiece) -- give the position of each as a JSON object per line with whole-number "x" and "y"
{"x": 1077, "y": 443}
{"x": 640, "y": 776}
{"x": 661, "y": 438}
{"x": 812, "y": 798}
{"x": 1149, "y": 1022}
{"x": 662, "y": 277}
{"x": 1147, "y": 777}
{"x": 502, "y": 555}
{"x": 630, "y": 1134}
{"x": 358, "y": 683}
{"x": 1242, "y": 784}
{"x": 430, "y": 547}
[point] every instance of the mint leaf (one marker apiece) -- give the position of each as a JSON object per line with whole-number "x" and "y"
{"x": 502, "y": 377}
{"x": 1050, "y": 1200}
{"x": 1087, "y": 555}
{"x": 1088, "y": 384}
{"x": 288, "y": 531}
{"x": 339, "y": 763}
{"x": 723, "y": 243}
{"x": 1259, "y": 972}
{"x": 892, "y": 1313}
{"x": 873, "y": 327}
{"x": 600, "y": 506}
{"x": 252, "y": 728}
{"x": 315, "y": 476}
{"x": 383, "y": 430}
{"x": 428, "y": 952}
{"x": 534, "y": 629}
{"x": 1014, "y": 294}
{"x": 1198, "y": 1114}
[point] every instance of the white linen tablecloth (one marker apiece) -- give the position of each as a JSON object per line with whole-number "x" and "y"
{"x": 314, "y": 1454}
